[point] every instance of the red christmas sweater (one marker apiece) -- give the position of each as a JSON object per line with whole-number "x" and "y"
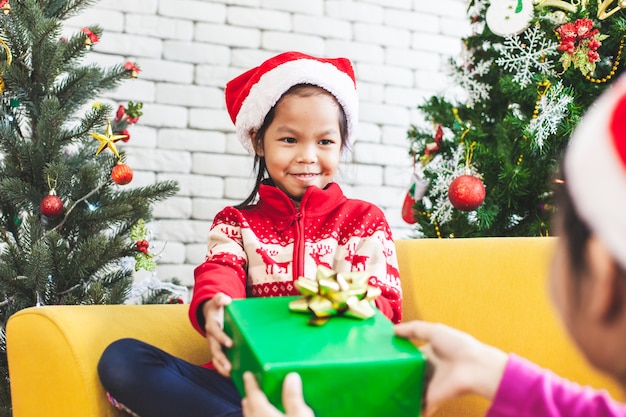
{"x": 261, "y": 250}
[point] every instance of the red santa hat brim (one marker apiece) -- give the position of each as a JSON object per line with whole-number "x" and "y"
{"x": 250, "y": 96}
{"x": 595, "y": 168}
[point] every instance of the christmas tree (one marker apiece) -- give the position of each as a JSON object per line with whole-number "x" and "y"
{"x": 66, "y": 218}
{"x": 486, "y": 157}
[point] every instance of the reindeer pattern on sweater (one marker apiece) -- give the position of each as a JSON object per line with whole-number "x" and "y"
{"x": 261, "y": 250}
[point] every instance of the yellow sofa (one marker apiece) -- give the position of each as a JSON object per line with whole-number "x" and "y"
{"x": 494, "y": 288}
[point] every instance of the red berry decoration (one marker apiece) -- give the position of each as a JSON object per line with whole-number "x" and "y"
{"x": 142, "y": 246}
{"x": 466, "y": 193}
{"x": 51, "y": 205}
{"x": 122, "y": 174}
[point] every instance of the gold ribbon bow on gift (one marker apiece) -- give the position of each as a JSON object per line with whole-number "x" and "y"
{"x": 332, "y": 293}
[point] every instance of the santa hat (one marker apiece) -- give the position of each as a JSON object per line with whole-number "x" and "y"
{"x": 595, "y": 168}
{"x": 250, "y": 96}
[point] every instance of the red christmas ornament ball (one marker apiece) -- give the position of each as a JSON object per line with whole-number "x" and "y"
{"x": 51, "y": 205}
{"x": 122, "y": 174}
{"x": 466, "y": 193}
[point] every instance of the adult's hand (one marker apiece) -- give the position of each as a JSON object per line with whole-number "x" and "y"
{"x": 256, "y": 404}
{"x": 213, "y": 311}
{"x": 459, "y": 363}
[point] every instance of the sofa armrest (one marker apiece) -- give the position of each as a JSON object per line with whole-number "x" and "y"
{"x": 53, "y": 352}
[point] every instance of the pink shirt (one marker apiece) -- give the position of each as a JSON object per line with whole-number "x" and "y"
{"x": 526, "y": 390}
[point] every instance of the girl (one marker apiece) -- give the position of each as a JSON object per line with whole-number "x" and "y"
{"x": 296, "y": 114}
{"x": 588, "y": 286}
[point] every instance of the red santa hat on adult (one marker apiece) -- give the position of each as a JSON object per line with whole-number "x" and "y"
{"x": 595, "y": 169}
{"x": 251, "y": 95}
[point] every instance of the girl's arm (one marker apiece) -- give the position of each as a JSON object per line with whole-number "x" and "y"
{"x": 390, "y": 304}
{"x": 526, "y": 390}
{"x": 462, "y": 365}
{"x": 224, "y": 270}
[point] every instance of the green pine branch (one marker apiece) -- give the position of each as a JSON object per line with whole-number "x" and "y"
{"x": 76, "y": 257}
{"x": 516, "y": 169}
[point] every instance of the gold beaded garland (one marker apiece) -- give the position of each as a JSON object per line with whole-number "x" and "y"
{"x": 613, "y": 69}
{"x": 542, "y": 89}
{"x": 434, "y": 223}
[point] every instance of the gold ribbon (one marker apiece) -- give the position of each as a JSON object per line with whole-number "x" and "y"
{"x": 568, "y": 6}
{"x": 332, "y": 294}
{"x": 572, "y": 6}
{"x": 7, "y": 51}
{"x": 603, "y": 8}
{"x": 8, "y": 61}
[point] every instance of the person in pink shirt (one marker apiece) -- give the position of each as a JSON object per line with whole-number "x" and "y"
{"x": 588, "y": 288}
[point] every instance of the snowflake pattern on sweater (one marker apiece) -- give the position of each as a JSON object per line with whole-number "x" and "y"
{"x": 261, "y": 250}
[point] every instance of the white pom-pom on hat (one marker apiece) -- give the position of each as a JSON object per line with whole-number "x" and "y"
{"x": 595, "y": 169}
{"x": 251, "y": 95}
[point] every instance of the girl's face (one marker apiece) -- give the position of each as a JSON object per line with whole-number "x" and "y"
{"x": 302, "y": 145}
{"x": 574, "y": 294}
{"x": 561, "y": 285}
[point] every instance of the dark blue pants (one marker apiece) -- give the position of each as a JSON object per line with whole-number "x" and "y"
{"x": 153, "y": 383}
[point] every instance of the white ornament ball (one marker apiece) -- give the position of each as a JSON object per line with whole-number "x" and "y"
{"x": 507, "y": 18}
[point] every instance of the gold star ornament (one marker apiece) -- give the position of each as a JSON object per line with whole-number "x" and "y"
{"x": 107, "y": 140}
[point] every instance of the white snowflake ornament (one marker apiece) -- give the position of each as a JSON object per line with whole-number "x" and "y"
{"x": 526, "y": 55}
{"x": 476, "y": 7}
{"x": 467, "y": 77}
{"x": 552, "y": 109}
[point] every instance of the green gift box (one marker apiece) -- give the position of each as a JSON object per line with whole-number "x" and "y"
{"x": 348, "y": 366}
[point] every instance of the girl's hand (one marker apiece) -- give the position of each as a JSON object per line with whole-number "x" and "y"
{"x": 213, "y": 311}
{"x": 255, "y": 403}
{"x": 459, "y": 363}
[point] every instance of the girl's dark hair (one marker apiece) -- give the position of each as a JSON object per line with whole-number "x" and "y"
{"x": 573, "y": 226}
{"x": 576, "y": 233}
{"x": 302, "y": 90}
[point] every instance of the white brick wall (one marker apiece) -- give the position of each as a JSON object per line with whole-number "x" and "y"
{"x": 188, "y": 49}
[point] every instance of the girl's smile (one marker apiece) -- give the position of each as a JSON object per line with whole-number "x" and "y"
{"x": 306, "y": 177}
